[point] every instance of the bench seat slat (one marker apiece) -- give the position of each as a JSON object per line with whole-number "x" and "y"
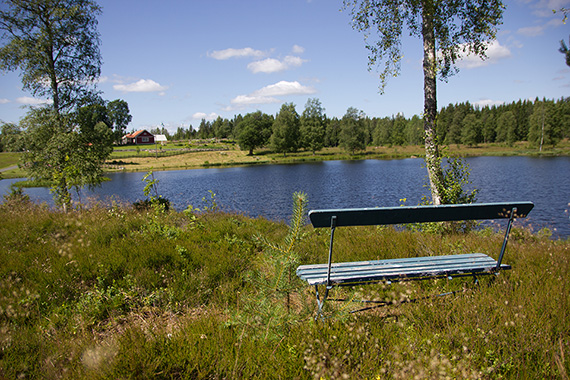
{"x": 405, "y": 261}
{"x": 391, "y": 269}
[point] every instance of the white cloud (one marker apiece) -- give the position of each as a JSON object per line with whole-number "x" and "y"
{"x": 26, "y": 100}
{"x": 298, "y": 49}
{"x": 243, "y": 100}
{"x": 236, "y": 53}
{"x": 293, "y": 61}
{"x": 285, "y": 88}
{"x": 4, "y": 101}
{"x": 531, "y": 31}
{"x": 495, "y": 53}
{"x": 269, "y": 65}
{"x": 488, "y": 102}
{"x": 203, "y": 115}
{"x": 143, "y": 85}
{"x": 269, "y": 93}
{"x": 272, "y": 65}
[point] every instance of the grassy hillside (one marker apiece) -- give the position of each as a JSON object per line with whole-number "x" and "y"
{"x": 110, "y": 292}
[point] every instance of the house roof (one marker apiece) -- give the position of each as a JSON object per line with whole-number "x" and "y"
{"x": 135, "y": 134}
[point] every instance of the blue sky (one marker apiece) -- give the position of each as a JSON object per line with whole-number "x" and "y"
{"x": 178, "y": 61}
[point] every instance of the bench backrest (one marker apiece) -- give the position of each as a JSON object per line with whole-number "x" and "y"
{"x": 418, "y": 214}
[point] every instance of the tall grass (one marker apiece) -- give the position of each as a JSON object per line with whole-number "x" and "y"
{"x": 110, "y": 292}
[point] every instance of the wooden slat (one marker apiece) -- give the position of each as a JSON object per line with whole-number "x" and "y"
{"x": 393, "y": 269}
{"x": 418, "y": 214}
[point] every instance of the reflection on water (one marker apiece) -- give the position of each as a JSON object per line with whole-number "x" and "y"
{"x": 267, "y": 190}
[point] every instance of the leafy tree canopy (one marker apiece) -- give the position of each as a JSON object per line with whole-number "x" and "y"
{"x": 55, "y": 45}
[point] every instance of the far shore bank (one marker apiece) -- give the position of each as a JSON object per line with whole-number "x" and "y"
{"x": 170, "y": 158}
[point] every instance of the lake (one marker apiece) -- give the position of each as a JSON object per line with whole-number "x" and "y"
{"x": 267, "y": 190}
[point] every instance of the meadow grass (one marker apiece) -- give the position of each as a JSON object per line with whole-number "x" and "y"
{"x": 205, "y": 154}
{"x": 108, "y": 292}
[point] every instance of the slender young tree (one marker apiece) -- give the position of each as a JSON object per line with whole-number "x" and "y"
{"x": 448, "y": 29}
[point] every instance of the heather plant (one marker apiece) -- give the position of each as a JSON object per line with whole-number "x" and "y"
{"x": 86, "y": 294}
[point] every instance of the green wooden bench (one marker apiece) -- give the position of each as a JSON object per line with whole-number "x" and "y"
{"x": 415, "y": 268}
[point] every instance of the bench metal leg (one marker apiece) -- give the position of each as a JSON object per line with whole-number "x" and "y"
{"x": 320, "y": 303}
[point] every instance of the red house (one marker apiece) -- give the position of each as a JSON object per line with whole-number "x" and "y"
{"x": 139, "y": 137}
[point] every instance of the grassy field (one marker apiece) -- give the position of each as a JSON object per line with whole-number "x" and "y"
{"x": 109, "y": 292}
{"x": 177, "y": 155}
{"x": 232, "y": 156}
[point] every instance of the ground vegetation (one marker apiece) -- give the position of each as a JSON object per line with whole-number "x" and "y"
{"x": 111, "y": 292}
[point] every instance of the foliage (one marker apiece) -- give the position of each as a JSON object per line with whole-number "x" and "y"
{"x": 457, "y": 27}
{"x": 448, "y": 30}
{"x": 55, "y": 43}
{"x": 270, "y": 309}
{"x": 352, "y": 133}
{"x": 154, "y": 198}
{"x": 453, "y": 191}
{"x": 254, "y": 131}
{"x": 10, "y": 138}
{"x": 564, "y": 50}
{"x": 460, "y": 123}
{"x": 313, "y": 126}
{"x": 545, "y": 125}
{"x": 455, "y": 180}
{"x": 286, "y": 132}
{"x": 119, "y": 117}
{"x": 57, "y": 152}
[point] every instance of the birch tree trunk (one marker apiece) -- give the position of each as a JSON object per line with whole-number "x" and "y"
{"x": 433, "y": 160}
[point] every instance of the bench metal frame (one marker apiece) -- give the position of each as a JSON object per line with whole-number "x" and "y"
{"x": 407, "y": 269}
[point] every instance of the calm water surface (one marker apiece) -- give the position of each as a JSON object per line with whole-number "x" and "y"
{"x": 267, "y": 190}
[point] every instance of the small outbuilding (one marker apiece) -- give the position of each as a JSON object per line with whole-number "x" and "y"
{"x": 160, "y": 139}
{"x": 139, "y": 137}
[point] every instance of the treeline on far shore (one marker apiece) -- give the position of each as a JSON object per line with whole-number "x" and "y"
{"x": 540, "y": 122}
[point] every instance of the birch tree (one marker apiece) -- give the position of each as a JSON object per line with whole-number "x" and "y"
{"x": 448, "y": 29}
{"x": 54, "y": 44}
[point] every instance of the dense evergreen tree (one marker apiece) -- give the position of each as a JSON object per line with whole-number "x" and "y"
{"x": 221, "y": 128}
{"x": 414, "y": 132}
{"x": 471, "y": 130}
{"x": 456, "y": 124}
{"x": 332, "y": 132}
{"x": 506, "y": 127}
